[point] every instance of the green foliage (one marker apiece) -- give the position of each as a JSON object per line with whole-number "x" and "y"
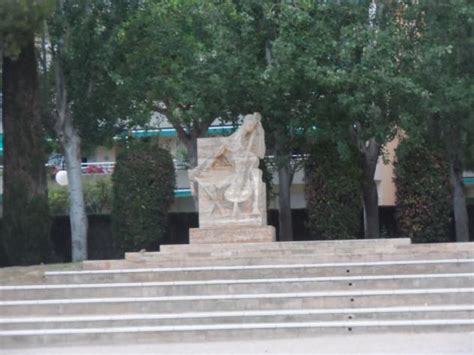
{"x": 26, "y": 229}
{"x": 20, "y": 19}
{"x": 178, "y": 58}
{"x": 423, "y": 209}
{"x": 443, "y": 69}
{"x": 143, "y": 190}
{"x": 58, "y": 201}
{"x": 82, "y": 37}
{"x": 333, "y": 193}
{"x": 97, "y": 197}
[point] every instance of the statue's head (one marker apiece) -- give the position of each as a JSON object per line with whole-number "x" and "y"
{"x": 251, "y": 122}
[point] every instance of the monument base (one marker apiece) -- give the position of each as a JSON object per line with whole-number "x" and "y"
{"x": 237, "y": 234}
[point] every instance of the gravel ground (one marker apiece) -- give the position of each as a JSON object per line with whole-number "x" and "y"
{"x": 432, "y": 343}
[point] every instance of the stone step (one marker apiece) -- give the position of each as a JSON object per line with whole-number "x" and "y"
{"x": 265, "y": 253}
{"x": 342, "y": 251}
{"x": 259, "y": 316}
{"x": 260, "y": 301}
{"x": 318, "y": 245}
{"x": 265, "y": 285}
{"x": 257, "y": 258}
{"x": 215, "y": 332}
{"x": 288, "y": 252}
{"x": 229, "y": 291}
{"x": 262, "y": 271}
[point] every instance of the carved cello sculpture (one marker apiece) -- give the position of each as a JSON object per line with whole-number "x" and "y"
{"x": 234, "y": 160}
{"x": 241, "y": 187}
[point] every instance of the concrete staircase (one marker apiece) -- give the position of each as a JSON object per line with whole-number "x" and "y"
{"x": 217, "y": 292}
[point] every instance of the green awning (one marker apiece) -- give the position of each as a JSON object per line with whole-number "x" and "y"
{"x": 469, "y": 180}
{"x": 164, "y": 132}
{"x": 171, "y": 132}
{"x": 182, "y": 192}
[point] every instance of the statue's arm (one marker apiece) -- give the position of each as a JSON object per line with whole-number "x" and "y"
{"x": 206, "y": 163}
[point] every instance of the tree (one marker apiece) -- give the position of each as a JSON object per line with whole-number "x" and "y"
{"x": 195, "y": 61}
{"x": 178, "y": 60}
{"x": 373, "y": 89}
{"x": 270, "y": 44}
{"x": 88, "y": 102}
{"x": 445, "y": 71}
{"x": 26, "y": 222}
{"x": 304, "y": 72}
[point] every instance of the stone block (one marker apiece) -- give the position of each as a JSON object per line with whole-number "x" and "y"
{"x": 234, "y": 234}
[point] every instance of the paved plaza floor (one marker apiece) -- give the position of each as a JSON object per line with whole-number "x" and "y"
{"x": 430, "y": 343}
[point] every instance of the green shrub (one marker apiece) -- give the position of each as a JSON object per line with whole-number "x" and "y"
{"x": 25, "y": 232}
{"x": 98, "y": 196}
{"x": 58, "y": 200}
{"x": 423, "y": 207}
{"x": 143, "y": 191}
{"x": 333, "y": 193}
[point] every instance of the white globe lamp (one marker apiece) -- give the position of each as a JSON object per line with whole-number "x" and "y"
{"x": 61, "y": 177}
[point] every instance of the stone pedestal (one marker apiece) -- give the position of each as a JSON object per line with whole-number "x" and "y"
{"x": 234, "y": 234}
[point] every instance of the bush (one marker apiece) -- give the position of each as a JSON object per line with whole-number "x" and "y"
{"x": 97, "y": 197}
{"x": 58, "y": 200}
{"x": 423, "y": 210}
{"x": 333, "y": 193}
{"x": 25, "y": 232}
{"x": 143, "y": 190}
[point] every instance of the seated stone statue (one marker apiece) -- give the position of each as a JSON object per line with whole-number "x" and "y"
{"x": 228, "y": 178}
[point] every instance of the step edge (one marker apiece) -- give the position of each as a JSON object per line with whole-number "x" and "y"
{"x": 255, "y": 267}
{"x": 247, "y": 313}
{"x": 353, "y": 293}
{"x": 34, "y": 287}
{"x": 237, "y": 326}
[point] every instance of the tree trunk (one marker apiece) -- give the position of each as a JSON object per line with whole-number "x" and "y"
{"x": 191, "y": 148}
{"x": 461, "y": 219}
{"x": 189, "y": 139}
{"x": 77, "y": 210}
{"x": 284, "y": 201}
{"x": 26, "y": 222}
{"x": 283, "y": 161}
{"x": 369, "y": 190}
{"x": 71, "y": 144}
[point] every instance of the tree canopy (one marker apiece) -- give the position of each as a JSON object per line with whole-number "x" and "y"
{"x": 443, "y": 68}
{"x": 20, "y": 20}
{"x": 179, "y": 60}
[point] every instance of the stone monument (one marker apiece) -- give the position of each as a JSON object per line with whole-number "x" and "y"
{"x": 229, "y": 187}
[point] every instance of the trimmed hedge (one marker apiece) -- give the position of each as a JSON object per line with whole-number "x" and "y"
{"x": 423, "y": 207}
{"x": 143, "y": 191}
{"x": 333, "y": 193}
